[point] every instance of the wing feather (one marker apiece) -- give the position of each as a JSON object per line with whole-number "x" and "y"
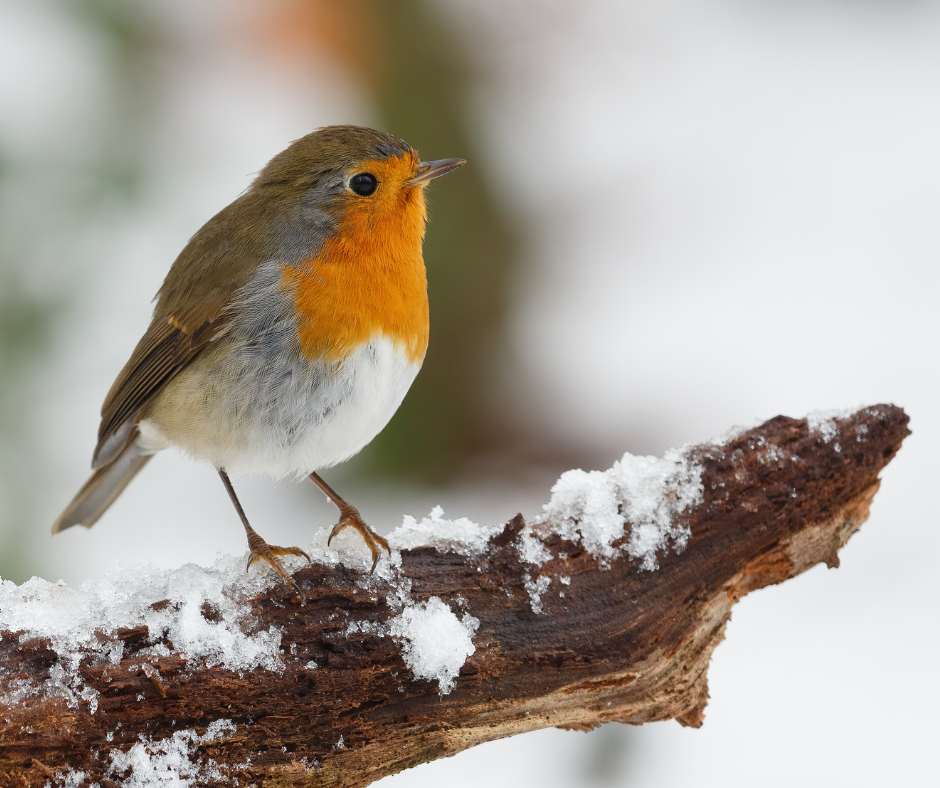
{"x": 192, "y": 306}
{"x": 170, "y": 343}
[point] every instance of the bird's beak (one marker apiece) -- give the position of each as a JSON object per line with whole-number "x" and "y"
{"x": 428, "y": 170}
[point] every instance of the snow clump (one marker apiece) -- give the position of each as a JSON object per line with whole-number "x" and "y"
{"x": 460, "y": 536}
{"x": 202, "y": 610}
{"x": 171, "y": 762}
{"x": 437, "y": 643}
{"x": 648, "y": 493}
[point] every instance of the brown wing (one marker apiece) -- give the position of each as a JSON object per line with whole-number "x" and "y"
{"x": 192, "y": 306}
{"x": 171, "y": 342}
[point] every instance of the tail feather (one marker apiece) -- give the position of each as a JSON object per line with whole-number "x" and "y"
{"x": 102, "y": 489}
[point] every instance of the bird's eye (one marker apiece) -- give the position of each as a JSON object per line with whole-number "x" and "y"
{"x": 363, "y": 184}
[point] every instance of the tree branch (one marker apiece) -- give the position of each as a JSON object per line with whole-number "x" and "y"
{"x": 572, "y": 625}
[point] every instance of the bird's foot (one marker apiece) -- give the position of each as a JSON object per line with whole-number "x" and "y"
{"x": 262, "y": 551}
{"x": 349, "y": 517}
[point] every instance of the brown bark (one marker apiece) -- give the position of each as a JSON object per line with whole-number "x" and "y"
{"x": 621, "y": 644}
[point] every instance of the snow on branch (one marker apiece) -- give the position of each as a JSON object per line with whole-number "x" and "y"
{"x": 605, "y": 607}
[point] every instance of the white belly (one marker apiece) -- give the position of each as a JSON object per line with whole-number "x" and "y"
{"x": 284, "y": 419}
{"x": 252, "y": 403}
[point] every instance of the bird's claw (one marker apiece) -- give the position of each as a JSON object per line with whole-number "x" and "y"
{"x": 262, "y": 551}
{"x": 349, "y": 517}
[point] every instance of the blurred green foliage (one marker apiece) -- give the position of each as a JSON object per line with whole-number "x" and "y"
{"x": 132, "y": 37}
{"x": 423, "y": 80}
{"x": 45, "y": 200}
{"x": 25, "y": 333}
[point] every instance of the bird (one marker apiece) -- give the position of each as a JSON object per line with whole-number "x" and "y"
{"x": 286, "y": 333}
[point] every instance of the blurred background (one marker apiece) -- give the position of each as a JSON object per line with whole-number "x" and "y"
{"x": 678, "y": 216}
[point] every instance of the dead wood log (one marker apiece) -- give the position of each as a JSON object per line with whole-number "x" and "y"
{"x": 566, "y": 630}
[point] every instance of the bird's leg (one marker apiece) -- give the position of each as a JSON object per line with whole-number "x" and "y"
{"x": 261, "y": 550}
{"x": 349, "y": 517}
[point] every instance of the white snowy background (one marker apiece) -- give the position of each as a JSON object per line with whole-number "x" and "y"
{"x": 733, "y": 213}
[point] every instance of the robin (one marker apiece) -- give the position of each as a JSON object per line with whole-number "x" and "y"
{"x": 287, "y": 332}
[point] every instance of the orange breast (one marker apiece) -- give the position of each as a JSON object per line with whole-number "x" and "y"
{"x": 367, "y": 279}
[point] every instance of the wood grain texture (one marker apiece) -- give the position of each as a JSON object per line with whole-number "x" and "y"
{"x": 620, "y": 644}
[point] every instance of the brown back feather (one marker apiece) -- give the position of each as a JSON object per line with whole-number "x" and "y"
{"x": 169, "y": 345}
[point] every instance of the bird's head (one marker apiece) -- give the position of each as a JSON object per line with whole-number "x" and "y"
{"x": 359, "y": 177}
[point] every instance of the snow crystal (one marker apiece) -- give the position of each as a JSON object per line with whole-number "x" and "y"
{"x": 768, "y": 453}
{"x": 825, "y": 422}
{"x": 455, "y": 536}
{"x": 531, "y": 549}
{"x": 437, "y": 643}
{"x": 61, "y": 683}
{"x": 170, "y": 762}
{"x": 535, "y": 589}
{"x": 201, "y": 610}
{"x": 369, "y": 627}
{"x": 72, "y": 779}
{"x": 648, "y": 493}
{"x": 69, "y": 618}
